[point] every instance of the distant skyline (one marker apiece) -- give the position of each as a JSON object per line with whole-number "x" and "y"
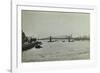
{"x": 44, "y": 24}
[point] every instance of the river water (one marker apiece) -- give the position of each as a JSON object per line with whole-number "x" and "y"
{"x": 56, "y": 51}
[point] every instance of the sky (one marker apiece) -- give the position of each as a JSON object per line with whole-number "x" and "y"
{"x": 46, "y": 23}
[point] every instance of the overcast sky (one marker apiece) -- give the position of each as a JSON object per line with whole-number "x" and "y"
{"x": 44, "y": 24}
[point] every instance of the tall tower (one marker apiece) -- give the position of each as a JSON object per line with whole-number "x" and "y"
{"x": 50, "y": 39}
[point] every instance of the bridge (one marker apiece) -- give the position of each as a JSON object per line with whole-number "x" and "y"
{"x": 51, "y": 38}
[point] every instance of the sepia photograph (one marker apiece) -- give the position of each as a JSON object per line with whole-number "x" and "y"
{"x": 55, "y": 36}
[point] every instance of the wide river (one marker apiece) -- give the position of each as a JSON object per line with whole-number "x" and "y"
{"x": 56, "y": 51}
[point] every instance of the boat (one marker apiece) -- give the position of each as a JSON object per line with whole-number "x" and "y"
{"x": 27, "y": 46}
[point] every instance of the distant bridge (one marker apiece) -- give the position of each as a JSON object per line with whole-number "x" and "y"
{"x": 51, "y": 39}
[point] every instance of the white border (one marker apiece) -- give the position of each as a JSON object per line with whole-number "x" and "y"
{"x": 17, "y": 66}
